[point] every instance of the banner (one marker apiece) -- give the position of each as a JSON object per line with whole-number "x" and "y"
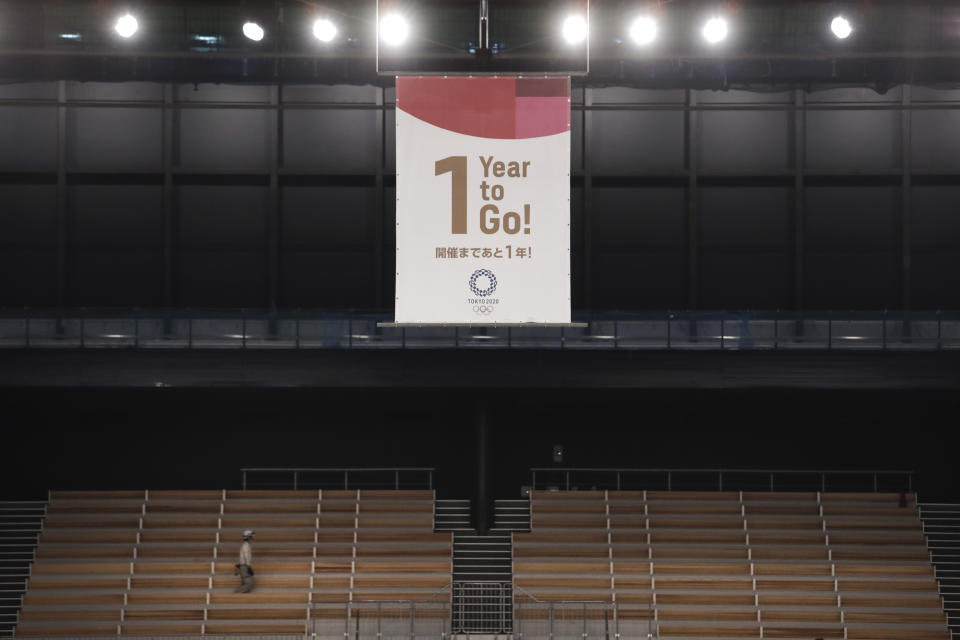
{"x": 483, "y": 200}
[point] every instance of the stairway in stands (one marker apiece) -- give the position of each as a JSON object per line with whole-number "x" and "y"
{"x": 941, "y": 525}
{"x": 512, "y": 515}
{"x": 452, "y": 515}
{"x": 20, "y": 525}
{"x": 482, "y": 564}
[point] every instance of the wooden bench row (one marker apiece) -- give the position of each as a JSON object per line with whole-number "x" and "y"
{"x": 758, "y": 523}
{"x": 40, "y": 568}
{"x": 236, "y": 522}
{"x": 892, "y": 499}
{"x": 357, "y": 495}
{"x": 661, "y": 584}
{"x": 723, "y": 568}
{"x": 913, "y": 553}
{"x": 732, "y": 510}
{"x": 155, "y": 629}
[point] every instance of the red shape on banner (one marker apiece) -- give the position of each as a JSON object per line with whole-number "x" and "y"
{"x": 506, "y": 108}
{"x": 481, "y": 107}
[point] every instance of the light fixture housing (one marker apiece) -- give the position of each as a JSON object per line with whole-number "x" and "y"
{"x": 126, "y": 26}
{"x": 574, "y": 29}
{"x": 253, "y": 31}
{"x": 394, "y": 29}
{"x": 715, "y": 30}
{"x": 643, "y": 31}
{"x": 841, "y": 28}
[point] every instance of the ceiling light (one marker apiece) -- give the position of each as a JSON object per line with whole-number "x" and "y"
{"x": 394, "y": 29}
{"x": 643, "y": 30}
{"x": 126, "y": 26}
{"x": 253, "y": 31}
{"x": 841, "y": 27}
{"x": 574, "y": 30}
{"x": 324, "y": 30}
{"x": 715, "y": 30}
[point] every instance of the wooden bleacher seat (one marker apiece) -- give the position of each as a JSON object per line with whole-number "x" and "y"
{"x": 162, "y": 562}
{"x": 726, "y": 565}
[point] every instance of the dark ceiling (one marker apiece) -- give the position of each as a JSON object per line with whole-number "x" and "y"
{"x": 771, "y": 43}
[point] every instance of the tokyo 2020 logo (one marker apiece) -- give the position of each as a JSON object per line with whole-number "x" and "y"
{"x": 491, "y": 283}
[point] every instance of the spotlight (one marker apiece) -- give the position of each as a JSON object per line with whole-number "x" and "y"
{"x": 715, "y": 30}
{"x": 126, "y": 26}
{"x": 574, "y": 30}
{"x": 841, "y": 27}
{"x": 394, "y": 29}
{"x": 643, "y": 30}
{"x": 324, "y": 30}
{"x": 253, "y": 31}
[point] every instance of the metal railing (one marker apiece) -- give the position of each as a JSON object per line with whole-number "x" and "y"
{"x": 562, "y": 478}
{"x": 482, "y": 607}
{"x": 243, "y": 329}
{"x": 439, "y": 617}
{"x": 536, "y": 619}
{"x": 20, "y": 526}
{"x": 338, "y": 478}
{"x": 184, "y": 636}
{"x": 941, "y": 527}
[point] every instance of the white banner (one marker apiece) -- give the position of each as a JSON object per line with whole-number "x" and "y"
{"x": 483, "y": 200}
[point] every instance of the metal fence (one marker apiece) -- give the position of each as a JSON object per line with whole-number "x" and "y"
{"x": 535, "y": 619}
{"x": 20, "y": 525}
{"x": 239, "y": 329}
{"x": 384, "y": 620}
{"x": 566, "y": 479}
{"x": 482, "y": 607}
{"x": 185, "y": 636}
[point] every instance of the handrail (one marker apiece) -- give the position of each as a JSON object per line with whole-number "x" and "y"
{"x": 644, "y": 470}
{"x": 346, "y": 471}
{"x": 320, "y": 469}
{"x": 770, "y": 475}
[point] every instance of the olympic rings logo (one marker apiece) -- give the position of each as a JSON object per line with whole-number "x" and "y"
{"x": 477, "y": 291}
{"x": 483, "y": 309}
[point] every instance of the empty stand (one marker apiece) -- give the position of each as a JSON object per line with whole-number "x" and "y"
{"x": 162, "y": 562}
{"x": 737, "y": 564}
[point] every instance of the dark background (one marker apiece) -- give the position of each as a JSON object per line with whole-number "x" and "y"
{"x": 200, "y": 438}
{"x": 282, "y": 197}
{"x": 182, "y": 182}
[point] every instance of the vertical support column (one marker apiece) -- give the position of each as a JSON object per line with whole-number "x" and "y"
{"x": 587, "y": 134}
{"x": 692, "y": 147}
{"x": 169, "y": 124}
{"x": 378, "y": 219}
{"x": 550, "y": 631}
{"x": 480, "y": 519}
{"x": 906, "y": 199}
{"x": 799, "y": 159}
{"x": 61, "y": 201}
{"x": 274, "y": 140}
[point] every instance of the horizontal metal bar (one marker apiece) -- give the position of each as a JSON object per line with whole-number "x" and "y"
{"x": 452, "y": 325}
{"x": 680, "y": 56}
{"x": 947, "y": 105}
{"x": 781, "y": 471}
{"x": 351, "y": 469}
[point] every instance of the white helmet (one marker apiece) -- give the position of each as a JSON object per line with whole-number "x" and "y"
{"x": 248, "y": 533}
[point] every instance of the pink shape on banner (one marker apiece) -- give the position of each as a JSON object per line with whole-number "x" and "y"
{"x": 542, "y": 116}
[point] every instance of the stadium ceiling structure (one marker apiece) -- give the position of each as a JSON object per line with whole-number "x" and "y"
{"x": 660, "y": 43}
